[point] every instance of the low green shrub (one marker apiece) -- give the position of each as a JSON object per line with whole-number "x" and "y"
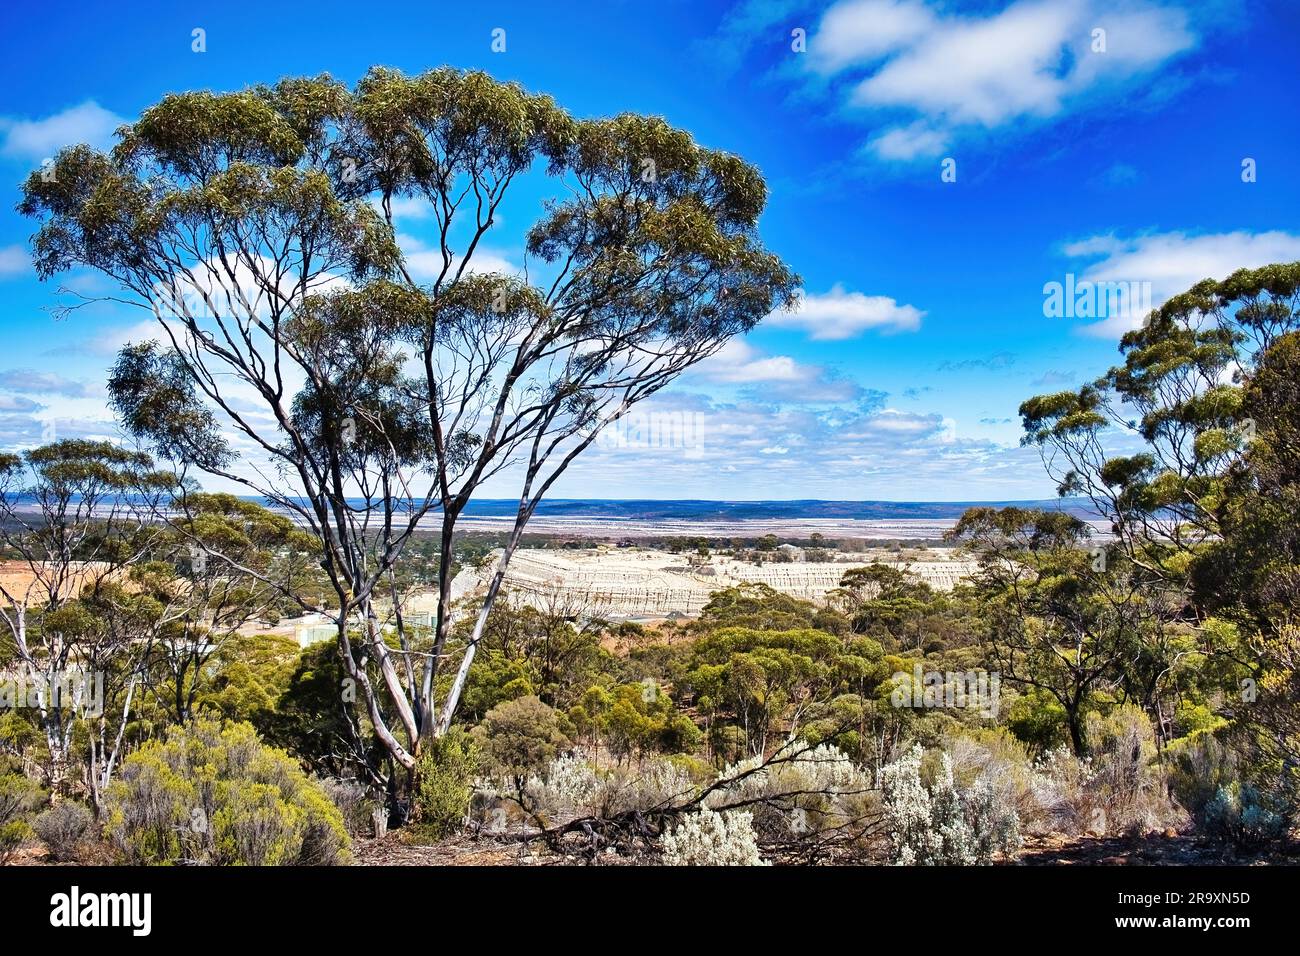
{"x": 19, "y": 798}
{"x": 217, "y": 795}
{"x": 444, "y": 784}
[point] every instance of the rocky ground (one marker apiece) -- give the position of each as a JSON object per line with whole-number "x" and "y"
{"x": 1159, "y": 849}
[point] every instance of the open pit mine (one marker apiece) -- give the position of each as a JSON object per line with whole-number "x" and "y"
{"x": 644, "y": 584}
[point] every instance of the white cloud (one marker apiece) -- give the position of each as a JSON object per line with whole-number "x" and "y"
{"x": 407, "y": 207}
{"x": 861, "y": 31}
{"x": 837, "y": 315}
{"x": 14, "y": 261}
{"x": 940, "y": 75}
{"x": 18, "y": 403}
{"x": 425, "y": 262}
{"x": 774, "y": 378}
{"x": 739, "y": 363}
{"x": 767, "y": 451}
{"x": 40, "y": 139}
{"x": 30, "y": 381}
{"x": 1173, "y": 262}
{"x": 906, "y": 143}
{"x": 981, "y": 71}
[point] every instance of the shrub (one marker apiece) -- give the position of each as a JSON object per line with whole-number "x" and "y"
{"x": 444, "y": 785}
{"x": 1119, "y": 788}
{"x": 217, "y": 795}
{"x": 799, "y": 794}
{"x": 998, "y": 761}
{"x": 705, "y": 838}
{"x": 355, "y": 801}
{"x": 1128, "y": 783}
{"x": 571, "y": 787}
{"x": 1239, "y": 815}
{"x": 62, "y": 828}
{"x": 521, "y": 736}
{"x": 940, "y": 824}
{"x": 19, "y": 797}
{"x": 1061, "y": 787}
{"x": 1199, "y": 767}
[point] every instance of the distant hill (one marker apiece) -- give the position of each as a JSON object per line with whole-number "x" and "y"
{"x": 748, "y": 510}
{"x": 611, "y": 509}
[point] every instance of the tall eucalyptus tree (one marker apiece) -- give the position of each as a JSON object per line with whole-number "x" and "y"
{"x": 303, "y": 356}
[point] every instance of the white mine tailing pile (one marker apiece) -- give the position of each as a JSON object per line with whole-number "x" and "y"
{"x": 649, "y": 584}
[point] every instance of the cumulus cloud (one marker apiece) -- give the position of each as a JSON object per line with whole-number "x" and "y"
{"x": 1171, "y": 262}
{"x": 38, "y": 139}
{"x": 929, "y": 74}
{"x": 764, "y": 450}
{"x": 775, "y": 378}
{"x": 863, "y": 31}
{"x": 43, "y": 383}
{"x": 839, "y": 314}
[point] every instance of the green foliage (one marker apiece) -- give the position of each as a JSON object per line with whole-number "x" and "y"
{"x": 19, "y": 797}
{"x": 216, "y": 794}
{"x": 755, "y": 606}
{"x": 756, "y": 677}
{"x": 444, "y": 779}
{"x": 155, "y": 397}
{"x": 1062, "y": 616}
{"x": 310, "y": 721}
{"x": 1037, "y": 718}
{"x": 1253, "y": 570}
{"x": 498, "y": 678}
{"x": 895, "y": 607}
{"x": 521, "y": 736}
{"x": 249, "y": 674}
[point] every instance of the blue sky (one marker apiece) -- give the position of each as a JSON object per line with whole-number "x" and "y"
{"x": 923, "y": 324}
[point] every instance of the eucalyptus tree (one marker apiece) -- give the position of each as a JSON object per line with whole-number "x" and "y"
{"x": 1056, "y": 616}
{"x": 222, "y": 565}
{"x": 74, "y": 519}
{"x": 303, "y": 356}
{"x": 1158, "y": 444}
{"x": 1251, "y": 574}
{"x": 1152, "y": 441}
